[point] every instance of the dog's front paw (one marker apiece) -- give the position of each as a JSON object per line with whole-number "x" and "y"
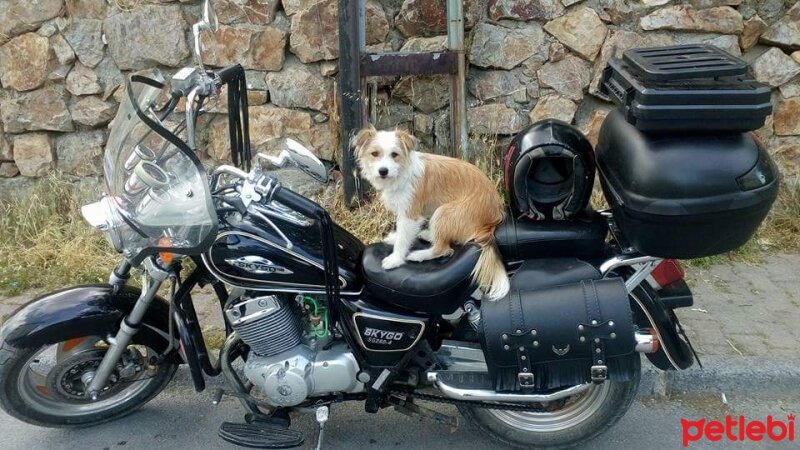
{"x": 390, "y": 238}
{"x": 426, "y": 235}
{"x": 392, "y": 261}
{"x": 419, "y": 255}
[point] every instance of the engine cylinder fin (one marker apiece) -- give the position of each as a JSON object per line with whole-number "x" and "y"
{"x": 272, "y": 333}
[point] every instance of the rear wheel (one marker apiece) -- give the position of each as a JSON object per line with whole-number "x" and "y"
{"x": 47, "y": 385}
{"x": 565, "y": 423}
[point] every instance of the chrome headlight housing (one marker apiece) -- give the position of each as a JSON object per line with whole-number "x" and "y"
{"x": 103, "y": 216}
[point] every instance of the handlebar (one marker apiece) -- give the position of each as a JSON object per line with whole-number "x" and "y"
{"x": 286, "y": 196}
{"x": 227, "y": 74}
{"x": 296, "y": 202}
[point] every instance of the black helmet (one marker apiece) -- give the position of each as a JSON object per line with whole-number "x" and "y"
{"x": 549, "y": 171}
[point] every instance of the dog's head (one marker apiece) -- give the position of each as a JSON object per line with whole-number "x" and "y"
{"x": 383, "y": 156}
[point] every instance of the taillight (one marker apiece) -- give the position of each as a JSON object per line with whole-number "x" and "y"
{"x": 666, "y": 272}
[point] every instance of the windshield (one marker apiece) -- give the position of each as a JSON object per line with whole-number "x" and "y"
{"x": 156, "y": 185}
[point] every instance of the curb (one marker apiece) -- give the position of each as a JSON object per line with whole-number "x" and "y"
{"x": 754, "y": 375}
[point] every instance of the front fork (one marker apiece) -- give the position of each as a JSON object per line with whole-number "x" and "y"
{"x": 151, "y": 282}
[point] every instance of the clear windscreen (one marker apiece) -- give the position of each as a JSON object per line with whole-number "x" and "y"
{"x": 156, "y": 186}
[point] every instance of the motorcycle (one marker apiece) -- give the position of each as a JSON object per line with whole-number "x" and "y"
{"x": 311, "y": 319}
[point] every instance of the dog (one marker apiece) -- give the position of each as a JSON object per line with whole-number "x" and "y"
{"x": 459, "y": 202}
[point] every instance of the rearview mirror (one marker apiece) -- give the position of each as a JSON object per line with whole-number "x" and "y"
{"x": 208, "y": 22}
{"x": 301, "y": 157}
{"x": 210, "y": 17}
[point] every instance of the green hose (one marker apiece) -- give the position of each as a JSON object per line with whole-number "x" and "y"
{"x": 320, "y": 330}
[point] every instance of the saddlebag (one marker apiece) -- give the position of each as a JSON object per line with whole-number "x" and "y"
{"x": 559, "y": 335}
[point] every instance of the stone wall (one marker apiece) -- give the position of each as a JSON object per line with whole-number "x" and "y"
{"x": 62, "y": 62}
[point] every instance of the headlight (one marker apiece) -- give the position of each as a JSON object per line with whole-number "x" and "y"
{"x": 102, "y": 216}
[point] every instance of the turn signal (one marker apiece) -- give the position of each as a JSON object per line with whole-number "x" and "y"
{"x": 165, "y": 257}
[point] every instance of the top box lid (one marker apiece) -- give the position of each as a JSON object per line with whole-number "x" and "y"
{"x": 681, "y": 62}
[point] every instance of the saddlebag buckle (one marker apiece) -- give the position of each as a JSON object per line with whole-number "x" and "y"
{"x": 525, "y": 380}
{"x": 599, "y": 374}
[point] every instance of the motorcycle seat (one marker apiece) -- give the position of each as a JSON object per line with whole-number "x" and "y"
{"x": 437, "y": 286}
{"x": 580, "y": 237}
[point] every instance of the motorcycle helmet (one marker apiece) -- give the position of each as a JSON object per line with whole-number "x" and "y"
{"x": 549, "y": 171}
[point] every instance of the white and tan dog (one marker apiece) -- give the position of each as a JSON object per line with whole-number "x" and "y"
{"x": 460, "y": 202}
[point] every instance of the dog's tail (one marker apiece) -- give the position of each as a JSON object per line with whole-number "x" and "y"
{"x": 490, "y": 273}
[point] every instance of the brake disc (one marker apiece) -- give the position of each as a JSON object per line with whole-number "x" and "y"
{"x": 70, "y": 377}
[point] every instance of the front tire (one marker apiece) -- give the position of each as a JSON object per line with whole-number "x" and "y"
{"x": 577, "y": 421}
{"x": 54, "y": 398}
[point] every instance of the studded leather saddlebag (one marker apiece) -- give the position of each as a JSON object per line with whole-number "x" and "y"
{"x": 558, "y": 336}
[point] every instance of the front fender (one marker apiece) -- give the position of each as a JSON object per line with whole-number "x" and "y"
{"x": 85, "y": 311}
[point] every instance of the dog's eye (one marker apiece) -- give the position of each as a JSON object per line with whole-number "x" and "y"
{"x": 375, "y": 154}
{"x": 394, "y": 154}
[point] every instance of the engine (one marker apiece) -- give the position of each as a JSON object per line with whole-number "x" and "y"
{"x": 290, "y": 358}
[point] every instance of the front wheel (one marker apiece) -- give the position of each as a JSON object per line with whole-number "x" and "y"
{"x": 566, "y": 423}
{"x": 46, "y": 385}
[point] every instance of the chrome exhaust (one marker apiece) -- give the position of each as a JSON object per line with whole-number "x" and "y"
{"x": 486, "y": 395}
{"x": 460, "y": 353}
{"x": 646, "y": 341}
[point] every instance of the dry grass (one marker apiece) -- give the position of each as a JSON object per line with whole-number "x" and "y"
{"x": 488, "y": 155}
{"x": 780, "y": 232}
{"x": 44, "y": 242}
{"x": 369, "y": 222}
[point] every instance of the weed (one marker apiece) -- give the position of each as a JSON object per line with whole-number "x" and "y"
{"x": 369, "y": 222}
{"x": 214, "y": 337}
{"x": 44, "y": 242}
{"x": 780, "y": 232}
{"x": 488, "y": 156}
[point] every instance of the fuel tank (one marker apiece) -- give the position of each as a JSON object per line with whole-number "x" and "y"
{"x": 248, "y": 253}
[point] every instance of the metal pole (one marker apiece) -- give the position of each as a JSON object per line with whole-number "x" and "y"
{"x": 351, "y": 96}
{"x": 458, "y": 106}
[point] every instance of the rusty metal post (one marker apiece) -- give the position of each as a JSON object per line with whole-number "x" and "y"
{"x": 458, "y": 107}
{"x": 351, "y": 103}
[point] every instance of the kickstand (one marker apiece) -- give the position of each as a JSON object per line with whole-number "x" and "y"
{"x": 322, "y": 416}
{"x": 409, "y": 408}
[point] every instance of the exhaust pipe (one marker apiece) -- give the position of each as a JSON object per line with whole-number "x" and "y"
{"x": 486, "y": 395}
{"x": 647, "y": 341}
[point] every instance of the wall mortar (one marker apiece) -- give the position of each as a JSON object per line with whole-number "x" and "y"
{"x": 529, "y": 47}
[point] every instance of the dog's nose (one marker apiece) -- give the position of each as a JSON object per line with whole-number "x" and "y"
{"x": 383, "y": 171}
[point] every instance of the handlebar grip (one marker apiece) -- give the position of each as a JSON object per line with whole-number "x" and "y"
{"x": 228, "y": 73}
{"x": 296, "y": 201}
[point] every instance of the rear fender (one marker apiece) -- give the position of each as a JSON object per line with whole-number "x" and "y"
{"x": 86, "y": 311}
{"x": 650, "y": 312}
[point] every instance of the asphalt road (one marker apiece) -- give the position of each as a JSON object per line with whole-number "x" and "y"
{"x": 182, "y": 419}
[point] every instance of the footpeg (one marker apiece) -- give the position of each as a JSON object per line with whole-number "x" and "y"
{"x": 260, "y": 435}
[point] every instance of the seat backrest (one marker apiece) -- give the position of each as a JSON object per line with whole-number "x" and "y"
{"x": 581, "y": 237}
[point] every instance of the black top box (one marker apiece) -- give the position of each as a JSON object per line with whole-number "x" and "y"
{"x": 686, "y": 87}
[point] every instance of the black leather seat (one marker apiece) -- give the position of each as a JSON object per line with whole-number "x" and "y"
{"x": 438, "y": 286}
{"x": 580, "y": 237}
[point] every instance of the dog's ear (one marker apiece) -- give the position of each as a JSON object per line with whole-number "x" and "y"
{"x": 407, "y": 141}
{"x": 364, "y": 136}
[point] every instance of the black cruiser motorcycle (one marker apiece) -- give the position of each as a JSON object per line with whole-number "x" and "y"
{"x": 313, "y": 320}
